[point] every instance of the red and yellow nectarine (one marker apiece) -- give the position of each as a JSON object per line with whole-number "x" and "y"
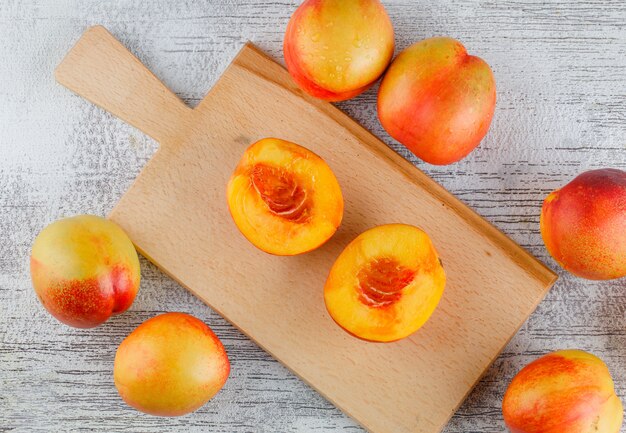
{"x": 284, "y": 198}
{"x": 84, "y": 269}
{"x": 569, "y": 391}
{"x": 170, "y": 365}
{"x": 437, "y": 100}
{"x": 336, "y": 49}
{"x": 385, "y": 284}
{"x": 583, "y": 225}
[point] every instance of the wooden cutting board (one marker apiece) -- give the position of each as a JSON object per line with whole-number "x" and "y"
{"x": 176, "y": 215}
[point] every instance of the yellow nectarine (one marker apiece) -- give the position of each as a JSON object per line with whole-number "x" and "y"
{"x": 583, "y": 225}
{"x": 437, "y": 100}
{"x": 569, "y": 391}
{"x": 170, "y": 365}
{"x": 336, "y": 49}
{"x": 84, "y": 269}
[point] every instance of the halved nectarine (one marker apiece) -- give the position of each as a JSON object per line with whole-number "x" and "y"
{"x": 386, "y": 283}
{"x": 284, "y": 198}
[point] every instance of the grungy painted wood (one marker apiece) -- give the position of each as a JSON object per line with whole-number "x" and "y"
{"x": 176, "y": 214}
{"x": 560, "y": 68}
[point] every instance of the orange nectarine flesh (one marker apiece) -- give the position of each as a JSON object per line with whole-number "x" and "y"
{"x": 284, "y": 198}
{"x": 385, "y": 284}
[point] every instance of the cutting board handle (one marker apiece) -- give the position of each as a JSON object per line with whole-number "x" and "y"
{"x": 100, "y": 69}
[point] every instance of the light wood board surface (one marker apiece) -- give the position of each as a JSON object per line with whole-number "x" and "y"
{"x": 560, "y": 71}
{"x": 176, "y": 215}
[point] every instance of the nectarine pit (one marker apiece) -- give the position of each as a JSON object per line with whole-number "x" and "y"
{"x": 381, "y": 282}
{"x": 281, "y": 192}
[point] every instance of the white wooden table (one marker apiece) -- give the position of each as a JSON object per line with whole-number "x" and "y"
{"x": 561, "y": 73}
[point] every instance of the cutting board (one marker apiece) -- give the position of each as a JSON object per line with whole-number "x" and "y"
{"x": 176, "y": 215}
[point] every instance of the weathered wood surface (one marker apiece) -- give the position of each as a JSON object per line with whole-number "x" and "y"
{"x": 561, "y": 72}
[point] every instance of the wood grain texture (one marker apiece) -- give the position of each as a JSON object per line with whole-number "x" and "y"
{"x": 176, "y": 214}
{"x": 561, "y": 109}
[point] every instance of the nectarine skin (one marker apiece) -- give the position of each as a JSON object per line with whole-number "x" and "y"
{"x": 385, "y": 284}
{"x": 84, "y": 269}
{"x": 583, "y": 225}
{"x": 437, "y": 100}
{"x": 336, "y": 49}
{"x": 170, "y": 365}
{"x": 284, "y": 198}
{"x": 569, "y": 391}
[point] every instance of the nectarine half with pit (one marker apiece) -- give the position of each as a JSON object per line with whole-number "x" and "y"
{"x": 170, "y": 365}
{"x": 284, "y": 198}
{"x": 385, "y": 284}
{"x": 336, "y": 49}
{"x": 583, "y": 225}
{"x": 84, "y": 269}
{"x": 569, "y": 391}
{"x": 437, "y": 100}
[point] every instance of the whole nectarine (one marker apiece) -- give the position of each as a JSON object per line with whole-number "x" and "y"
{"x": 170, "y": 365}
{"x": 336, "y": 49}
{"x": 583, "y": 225}
{"x": 569, "y": 391}
{"x": 385, "y": 284}
{"x": 84, "y": 269}
{"x": 437, "y": 100}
